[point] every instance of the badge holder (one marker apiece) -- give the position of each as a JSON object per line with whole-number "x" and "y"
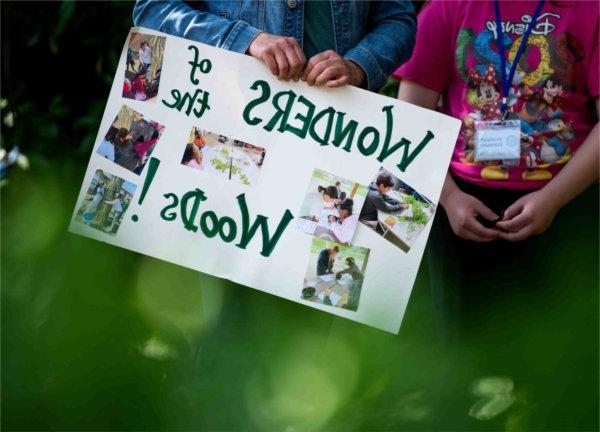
{"x": 497, "y": 140}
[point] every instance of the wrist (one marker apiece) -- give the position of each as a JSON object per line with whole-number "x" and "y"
{"x": 449, "y": 192}
{"x": 551, "y": 197}
{"x": 357, "y": 74}
{"x": 258, "y": 37}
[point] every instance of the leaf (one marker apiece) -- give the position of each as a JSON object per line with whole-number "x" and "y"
{"x": 65, "y": 12}
{"x": 9, "y": 119}
{"x": 23, "y": 162}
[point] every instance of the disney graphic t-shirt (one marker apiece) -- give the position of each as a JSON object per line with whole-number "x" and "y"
{"x": 551, "y": 93}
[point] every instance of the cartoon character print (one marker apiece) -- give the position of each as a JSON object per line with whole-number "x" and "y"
{"x": 488, "y": 97}
{"x": 534, "y": 97}
{"x": 541, "y": 104}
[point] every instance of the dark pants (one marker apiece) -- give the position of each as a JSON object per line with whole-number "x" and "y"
{"x": 471, "y": 280}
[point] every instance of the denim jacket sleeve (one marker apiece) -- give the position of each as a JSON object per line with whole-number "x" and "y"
{"x": 179, "y": 19}
{"x": 389, "y": 40}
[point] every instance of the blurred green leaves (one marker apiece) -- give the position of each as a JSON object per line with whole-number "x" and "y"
{"x": 55, "y": 94}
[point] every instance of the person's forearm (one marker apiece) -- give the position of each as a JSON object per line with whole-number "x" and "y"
{"x": 388, "y": 42}
{"x": 448, "y": 189}
{"x": 179, "y": 19}
{"x": 381, "y": 204}
{"x": 580, "y": 172}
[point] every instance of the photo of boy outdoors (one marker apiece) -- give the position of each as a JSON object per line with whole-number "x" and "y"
{"x": 335, "y": 274}
{"x": 143, "y": 66}
{"x": 130, "y": 140}
{"x": 223, "y": 156}
{"x": 395, "y": 211}
{"x": 330, "y": 207}
{"x": 105, "y": 203}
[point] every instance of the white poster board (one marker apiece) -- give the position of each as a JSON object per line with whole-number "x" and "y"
{"x": 209, "y": 138}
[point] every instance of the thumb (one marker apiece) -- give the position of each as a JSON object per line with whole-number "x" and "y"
{"x": 513, "y": 210}
{"x": 484, "y": 211}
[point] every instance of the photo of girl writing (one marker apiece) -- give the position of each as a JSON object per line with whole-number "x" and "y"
{"x": 330, "y": 207}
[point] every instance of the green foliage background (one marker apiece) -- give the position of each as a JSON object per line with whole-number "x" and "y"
{"x": 99, "y": 338}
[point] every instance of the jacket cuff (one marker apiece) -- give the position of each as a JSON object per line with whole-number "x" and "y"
{"x": 240, "y": 37}
{"x": 363, "y": 58}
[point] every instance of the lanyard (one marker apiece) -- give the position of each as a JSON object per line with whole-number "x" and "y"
{"x": 506, "y": 81}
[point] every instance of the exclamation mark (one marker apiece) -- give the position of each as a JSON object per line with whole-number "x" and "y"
{"x": 153, "y": 164}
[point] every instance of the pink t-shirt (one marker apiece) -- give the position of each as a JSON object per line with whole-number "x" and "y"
{"x": 551, "y": 92}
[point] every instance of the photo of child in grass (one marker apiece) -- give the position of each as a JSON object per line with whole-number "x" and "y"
{"x": 223, "y": 156}
{"x": 335, "y": 274}
{"x": 130, "y": 140}
{"x": 331, "y": 207}
{"x": 105, "y": 202}
{"x": 143, "y": 68}
{"x": 395, "y": 210}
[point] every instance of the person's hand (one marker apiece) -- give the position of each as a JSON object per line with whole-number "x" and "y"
{"x": 529, "y": 215}
{"x": 331, "y": 69}
{"x": 345, "y": 299}
{"x": 462, "y": 210}
{"x": 282, "y": 55}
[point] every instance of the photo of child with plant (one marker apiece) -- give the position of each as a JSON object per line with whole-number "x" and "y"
{"x": 395, "y": 210}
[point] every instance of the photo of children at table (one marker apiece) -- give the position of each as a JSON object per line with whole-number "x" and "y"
{"x": 335, "y": 274}
{"x": 329, "y": 206}
{"x": 395, "y": 210}
{"x": 130, "y": 140}
{"x": 143, "y": 66}
{"x": 222, "y": 156}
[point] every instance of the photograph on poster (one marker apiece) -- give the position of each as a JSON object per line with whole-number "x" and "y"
{"x": 130, "y": 140}
{"x": 335, "y": 274}
{"x": 223, "y": 156}
{"x": 331, "y": 207}
{"x": 106, "y": 201}
{"x": 143, "y": 66}
{"x": 395, "y": 211}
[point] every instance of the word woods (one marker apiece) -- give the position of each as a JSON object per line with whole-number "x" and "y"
{"x": 225, "y": 227}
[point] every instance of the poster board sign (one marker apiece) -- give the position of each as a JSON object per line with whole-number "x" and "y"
{"x": 320, "y": 196}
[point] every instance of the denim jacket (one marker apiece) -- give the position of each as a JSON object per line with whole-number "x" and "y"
{"x": 377, "y": 35}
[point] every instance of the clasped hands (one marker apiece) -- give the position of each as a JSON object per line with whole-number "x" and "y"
{"x": 285, "y": 58}
{"x": 530, "y": 215}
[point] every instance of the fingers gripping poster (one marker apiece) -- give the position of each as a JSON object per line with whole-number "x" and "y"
{"x": 321, "y": 196}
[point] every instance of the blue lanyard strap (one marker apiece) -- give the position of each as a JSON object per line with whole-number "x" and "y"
{"x": 506, "y": 81}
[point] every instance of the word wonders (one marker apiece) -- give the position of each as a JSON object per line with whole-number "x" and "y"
{"x": 329, "y": 126}
{"x": 225, "y": 227}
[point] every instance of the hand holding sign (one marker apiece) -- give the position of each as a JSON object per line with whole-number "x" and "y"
{"x": 282, "y": 55}
{"x": 332, "y": 69}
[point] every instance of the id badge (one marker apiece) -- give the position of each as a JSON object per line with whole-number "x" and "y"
{"x": 497, "y": 139}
